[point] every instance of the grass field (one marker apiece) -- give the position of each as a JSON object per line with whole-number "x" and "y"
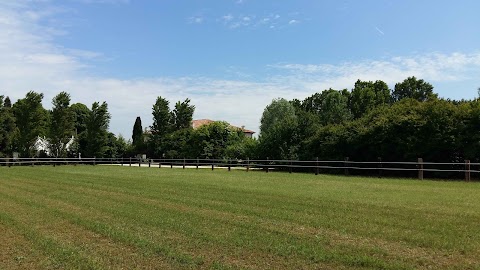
{"x": 107, "y": 217}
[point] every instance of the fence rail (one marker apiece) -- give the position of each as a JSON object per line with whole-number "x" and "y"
{"x": 402, "y": 168}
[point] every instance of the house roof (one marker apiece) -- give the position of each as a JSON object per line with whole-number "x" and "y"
{"x": 200, "y": 122}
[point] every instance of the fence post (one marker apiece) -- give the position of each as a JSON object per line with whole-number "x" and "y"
{"x": 184, "y": 163}
{"x": 380, "y": 166}
{"x": 267, "y": 164}
{"x": 248, "y": 164}
{"x": 291, "y": 166}
{"x": 212, "y": 164}
{"x": 130, "y": 162}
{"x": 316, "y": 167}
{"x": 228, "y": 163}
{"x": 140, "y": 162}
{"x": 149, "y": 163}
{"x": 8, "y": 162}
{"x": 160, "y": 163}
{"x": 54, "y": 163}
{"x": 345, "y": 164}
{"x": 420, "y": 168}
{"x": 197, "y": 163}
{"x": 467, "y": 170}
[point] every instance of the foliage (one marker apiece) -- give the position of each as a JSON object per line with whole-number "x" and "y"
{"x": 213, "y": 140}
{"x": 182, "y": 115}
{"x": 138, "y": 140}
{"x": 8, "y": 128}
{"x": 280, "y": 110}
{"x": 161, "y": 126}
{"x": 367, "y": 96}
{"x": 413, "y": 88}
{"x": 177, "y": 144}
{"x": 32, "y": 122}
{"x": 62, "y": 126}
{"x": 97, "y": 130}
{"x": 279, "y": 137}
{"x": 116, "y": 147}
{"x": 81, "y": 113}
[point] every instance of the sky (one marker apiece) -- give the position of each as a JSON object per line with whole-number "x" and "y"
{"x": 231, "y": 58}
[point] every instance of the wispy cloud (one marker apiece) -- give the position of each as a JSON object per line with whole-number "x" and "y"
{"x": 252, "y": 21}
{"x": 379, "y": 31}
{"x": 196, "y": 19}
{"x": 227, "y": 18}
{"x": 434, "y": 67}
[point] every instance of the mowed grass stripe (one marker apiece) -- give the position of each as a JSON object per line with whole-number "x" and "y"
{"x": 205, "y": 237}
{"x": 17, "y": 252}
{"x": 51, "y": 209}
{"x": 363, "y": 209}
{"x": 90, "y": 250}
{"x": 306, "y": 218}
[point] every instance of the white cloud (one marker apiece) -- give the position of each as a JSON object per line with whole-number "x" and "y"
{"x": 196, "y": 19}
{"x": 252, "y": 21}
{"x": 227, "y": 18}
{"x": 433, "y": 67}
{"x": 30, "y": 60}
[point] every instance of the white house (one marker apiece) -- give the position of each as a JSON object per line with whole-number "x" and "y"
{"x": 42, "y": 144}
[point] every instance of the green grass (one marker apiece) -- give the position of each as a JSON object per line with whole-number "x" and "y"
{"x": 103, "y": 217}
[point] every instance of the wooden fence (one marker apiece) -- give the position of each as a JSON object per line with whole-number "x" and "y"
{"x": 459, "y": 170}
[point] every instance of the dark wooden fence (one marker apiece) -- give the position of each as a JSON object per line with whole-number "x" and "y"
{"x": 415, "y": 169}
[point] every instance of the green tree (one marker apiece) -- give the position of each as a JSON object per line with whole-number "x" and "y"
{"x": 137, "y": 135}
{"x": 177, "y": 144}
{"x": 81, "y": 114}
{"x": 62, "y": 126}
{"x": 277, "y": 112}
{"x": 7, "y": 127}
{"x": 367, "y": 96}
{"x": 97, "y": 130}
{"x": 182, "y": 115}
{"x": 213, "y": 140}
{"x": 279, "y": 138}
{"x": 161, "y": 126}
{"x": 31, "y": 119}
{"x": 413, "y": 88}
{"x": 334, "y": 108}
{"x": 8, "y": 104}
{"x": 116, "y": 146}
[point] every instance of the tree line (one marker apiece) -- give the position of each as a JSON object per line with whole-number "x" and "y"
{"x": 26, "y": 121}
{"x": 368, "y": 122}
{"x": 172, "y": 135}
{"x": 73, "y": 130}
{"x": 372, "y": 121}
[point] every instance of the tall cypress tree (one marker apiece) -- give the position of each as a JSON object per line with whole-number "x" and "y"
{"x": 137, "y": 135}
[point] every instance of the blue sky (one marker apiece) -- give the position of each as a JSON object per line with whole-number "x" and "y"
{"x": 231, "y": 57}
